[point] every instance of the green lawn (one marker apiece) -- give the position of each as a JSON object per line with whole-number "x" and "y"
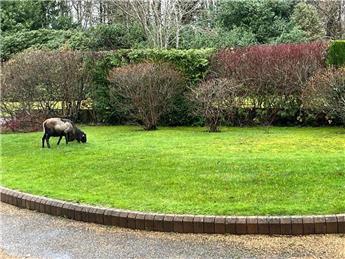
{"x": 240, "y": 171}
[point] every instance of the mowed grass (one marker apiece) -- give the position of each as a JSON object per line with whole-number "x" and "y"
{"x": 240, "y": 171}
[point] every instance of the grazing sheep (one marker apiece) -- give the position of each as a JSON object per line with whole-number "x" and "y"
{"x": 57, "y": 127}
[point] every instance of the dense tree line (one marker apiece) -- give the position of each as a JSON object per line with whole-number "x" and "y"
{"x": 105, "y": 24}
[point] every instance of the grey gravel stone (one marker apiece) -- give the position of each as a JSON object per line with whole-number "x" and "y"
{"x": 27, "y": 234}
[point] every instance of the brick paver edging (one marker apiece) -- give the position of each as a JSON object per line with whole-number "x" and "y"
{"x": 271, "y": 225}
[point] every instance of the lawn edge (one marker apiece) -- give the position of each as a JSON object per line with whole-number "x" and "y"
{"x": 263, "y": 225}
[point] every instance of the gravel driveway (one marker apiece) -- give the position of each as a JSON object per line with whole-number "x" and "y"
{"x": 33, "y": 235}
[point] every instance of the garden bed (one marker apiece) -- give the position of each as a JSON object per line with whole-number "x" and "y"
{"x": 240, "y": 171}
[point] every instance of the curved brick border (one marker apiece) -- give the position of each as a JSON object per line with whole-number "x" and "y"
{"x": 283, "y": 225}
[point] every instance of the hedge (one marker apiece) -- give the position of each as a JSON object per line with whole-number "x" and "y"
{"x": 196, "y": 66}
{"x": 193, "y": 63}
{"x": 336, "y": 53}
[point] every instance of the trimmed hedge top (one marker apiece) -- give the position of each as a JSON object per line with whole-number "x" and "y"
{"x": 193, "y": 63}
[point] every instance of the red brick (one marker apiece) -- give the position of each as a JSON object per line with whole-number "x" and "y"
{"x": 71, "y": 213}
{"x": 123, "y": 219}
{"x": 100, "y": 216}
{"x": 22, "y": 201}
{"x": 41, "y": 206}
{"x": 230, "y": 225}
{"x": 274, "y": 223}
{"x": 158, "y": 222}
{"x": 149, "y": 222}
{"x": 78, "y": 211}
{"x": 85, "y": 214}
{"x": 241, "y": 225}
{"x": 168, "y": 223}
{"x": 27, "y": 202}
{"x": 140, "y": 221}
{"x": 219, "y": 225}
{"x": 198, "y": 224}
{"x": 93, "y": 215}
{"x": 4, "y": 197}
{"x": 19, "y": 199}
{"x": 107, "y": 217}
{"x": 53, "y": 209}
{"x": 64, "y": 210}
{"x": 31, "y": 203}
{"x": 331, "y": 224}
{"x": 131, "y": 220}
{"x": 59, "y": 206}
{"x": 285, "y": 225}
{"x": 296, "y": 226}
{"x": 115, "y": 217}
{"x": 27, "y": 199}
{"x": 308, "y": 225}
{"x": 263, "y": 225}
{"x": 178, "y": 224}
{"x": 209, "y": 225}
{"x": 12, "y": 199}
{"x": 320, "y": 225}
{"x": 37, "y": 204}
{"x": 188, "y": 224}
{"x": 47, "y": 206}
{"x": 7, "y": 196}
{"x": 252, "y": 225}
{"x": 341, "y": 223}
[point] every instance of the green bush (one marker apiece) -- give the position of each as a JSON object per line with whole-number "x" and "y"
{"x": 306, "y": 18}
{"x": 293, "y": 35}
{"x": 336, "y": 53}
{"x": 102, "y": 37}
{"x": 44, "y": 38}
{"x": 267, "y": 20}
{"x": 107, "y": 37}
{"x": 197, "y": 37}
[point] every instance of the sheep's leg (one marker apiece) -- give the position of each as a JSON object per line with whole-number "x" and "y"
{"x": 47, "y": 139}
{"x": 43, "y": 139}
{"x": 59, "y": 140}
{"x": 66, "y": 139}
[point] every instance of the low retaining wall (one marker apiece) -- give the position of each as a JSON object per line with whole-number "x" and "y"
{"x": 267, "y": 225}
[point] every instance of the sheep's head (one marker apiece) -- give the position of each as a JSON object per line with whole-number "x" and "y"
{"x": 81, "y": 136}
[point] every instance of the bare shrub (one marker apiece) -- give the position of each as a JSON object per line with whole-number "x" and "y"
{"x": 146, "y": 90}
{"x": 40, "y": 84}
{"x": 325, "y": 92}
{"x": 215, "y": 98}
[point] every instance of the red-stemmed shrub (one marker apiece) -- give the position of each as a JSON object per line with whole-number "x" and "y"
{"x": 274, "y": 74}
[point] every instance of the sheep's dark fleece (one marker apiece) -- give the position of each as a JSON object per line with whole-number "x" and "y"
{"x": 57, "y": 127}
